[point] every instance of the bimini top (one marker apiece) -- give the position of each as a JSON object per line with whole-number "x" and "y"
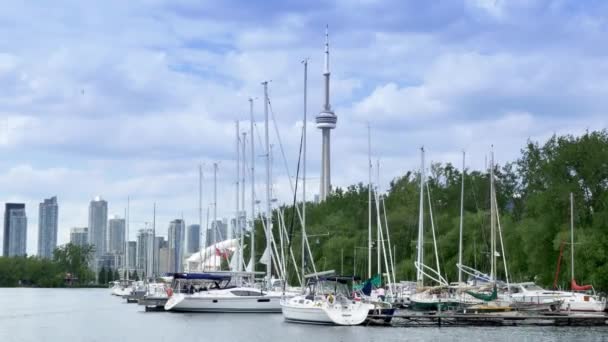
{"x": 201, "y": 276}
{"x": 339, "y": 279}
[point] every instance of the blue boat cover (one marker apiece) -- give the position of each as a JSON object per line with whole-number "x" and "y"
{"x": 201, "y": 276}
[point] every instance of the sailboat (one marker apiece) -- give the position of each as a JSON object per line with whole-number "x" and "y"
{"x": 326, "y": 299}
{"x": 530, "y": 293}
{"x": 232, "y": 291}
{"x": 437, "y": 297}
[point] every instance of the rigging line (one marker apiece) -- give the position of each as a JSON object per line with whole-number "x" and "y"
{"x": 274, "y": 122}
{"x": 293, "y": 214}
{"x": 438, "y": 255}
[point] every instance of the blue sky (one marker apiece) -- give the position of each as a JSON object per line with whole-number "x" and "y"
{"x": 126, "y": 98}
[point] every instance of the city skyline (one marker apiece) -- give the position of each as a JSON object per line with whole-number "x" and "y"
{"x": 114, "y": 233}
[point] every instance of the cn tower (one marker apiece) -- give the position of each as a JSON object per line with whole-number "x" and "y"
{"x": 326, "y": 121}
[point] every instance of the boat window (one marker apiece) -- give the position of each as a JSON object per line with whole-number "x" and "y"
{"x": 325, "y": 287}
{"x": 532, "y": 287}
{"x": 245, "y": 293}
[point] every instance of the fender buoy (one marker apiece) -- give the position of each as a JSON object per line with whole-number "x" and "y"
{"x": 330, "y": 299}
{"x": 169, "y": 292}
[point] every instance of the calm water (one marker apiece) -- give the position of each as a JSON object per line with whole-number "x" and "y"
{"x": 34, "y": 315}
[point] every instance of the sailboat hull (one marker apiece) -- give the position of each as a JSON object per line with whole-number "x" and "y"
{"x": 224, "y": 303}
{"x": 301, "y": 310}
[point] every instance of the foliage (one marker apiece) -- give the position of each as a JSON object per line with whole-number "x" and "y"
{"x": 34, "y": 271}
{"x": 533, "y": 203}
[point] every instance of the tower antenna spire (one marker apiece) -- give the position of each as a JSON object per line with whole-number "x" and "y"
{"x": 326, "y": 120}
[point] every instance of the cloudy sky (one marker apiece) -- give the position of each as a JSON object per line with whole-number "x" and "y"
{"x": 126, "y": 98}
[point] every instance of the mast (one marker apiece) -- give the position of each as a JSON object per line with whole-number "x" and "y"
{"x": 200, "y": 216}
{"x": 252, "y": 257}
{"x": 369, "y": 202}
{"x": 268, "y": 210}
{"x": 461, "y": 223}
{"x": 572, "y": 235}
{"x": 153, "y": 238}
{"x": 492, "y": 221}
{"x": 378, "y": 225}
{"x": 238, "y": 179}
{"x": 243, "y": 219}
{"x": 237, "y": 186}
{"x": 303, "y": 270}
{"x": 127, "y": 239}
{"x": 420, "y": 256}
{"x": 214, "y": 224}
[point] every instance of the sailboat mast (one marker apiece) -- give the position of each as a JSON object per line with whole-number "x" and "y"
{"x": 127, "y": 239}
{"x": 237, "y": 186}
{"x": 304, "y": 121}
{"x": 572, "y": 235}
{"x": 238, "y": 179}
{"x": 153, "y": 239}
{"x": 268, "y": 212}
{"x": 420, "y": 256}
{"x": 214, "y": 224}
{"x": 492, "y": 221}
{"x": 252, "y": 257}
{"x": 200, "y": 216}
{"x": 461, "y": 222}
{"x": 378, "y": 225}
{"x": 369, "y": 203}
{"x": 243, "y": 219}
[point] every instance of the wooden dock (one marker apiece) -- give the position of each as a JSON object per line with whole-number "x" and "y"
{"x": 408, "y": 319}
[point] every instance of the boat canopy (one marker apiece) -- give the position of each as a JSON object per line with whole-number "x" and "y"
{"x": 339, "y": 279}
{"x": 201, "y": 276}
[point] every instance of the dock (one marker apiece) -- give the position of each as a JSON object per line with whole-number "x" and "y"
{"x": 409, "y": 319}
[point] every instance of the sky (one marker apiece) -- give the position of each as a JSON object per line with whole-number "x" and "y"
{"x": 126, "y": 98}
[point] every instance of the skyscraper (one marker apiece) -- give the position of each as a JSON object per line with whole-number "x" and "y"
{"x": 160, "y": 244}
{"x": 221, "y": 229}
{"x": 176, "y": 237}
{"x": 116, "y": 235}
{"x": 15, "y": 230}
{"x": 79, "y": 236}
{"x": 98, "y": 222}
{"x": 132, "y": 262}
{"x": 144, "y": 251}
{"x": 194, "y": 238}
{"x": 326, "y": 121}
{"x": 47, "y": 227}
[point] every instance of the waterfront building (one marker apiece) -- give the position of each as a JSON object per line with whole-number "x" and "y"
{"x": 132, "y": 263}
{"x": 79, "y": 236}
{"x": 176, "y": 239}
{"x": 144, "y": 251}
{"x": 98, "y": 221}
{"x": 48, "y": 212}
{"x": 221, "y": 231}
{"x": 116, "y": 235}
{"x": 15, "y": 230}
{"x": 193, "y": 238}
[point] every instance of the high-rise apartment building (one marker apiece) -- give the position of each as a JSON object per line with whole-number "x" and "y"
{"x": 47, "y": 227}
{"x": 98, "y": 222}
{"x": 15, "y": 230}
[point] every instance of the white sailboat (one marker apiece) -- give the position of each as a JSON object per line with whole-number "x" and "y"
{"x": 581, "y": 298}
{"x": 216, "y": 292}
{"x": 326, "y": 300}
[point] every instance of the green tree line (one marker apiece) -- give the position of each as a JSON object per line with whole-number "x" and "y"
{"x": 533, "y": 202}
{"x": 68, "y": 267}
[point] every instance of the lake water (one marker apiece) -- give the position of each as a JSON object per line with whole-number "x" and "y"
{"x": 35, "y": 315}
